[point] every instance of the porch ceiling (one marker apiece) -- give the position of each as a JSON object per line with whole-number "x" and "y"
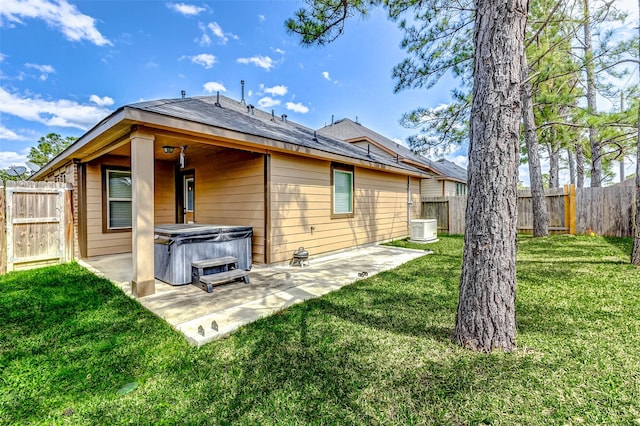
{"x": 193, "y": 149}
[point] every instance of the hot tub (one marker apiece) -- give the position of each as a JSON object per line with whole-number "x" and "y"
{"x": 177, "y": 245}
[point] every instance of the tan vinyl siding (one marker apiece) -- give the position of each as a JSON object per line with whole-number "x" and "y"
{"x": 165, "y": 192}
{"x": 229, "y": 190}
{"x": 301, "y": 208}
{"x": 99, "y": 243}
{"x": 449, "y": 188}
{"x": 416, "y": 199}
{"x": 431, "y": 188}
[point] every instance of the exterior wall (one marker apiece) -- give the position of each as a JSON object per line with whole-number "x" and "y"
{"x": 165, "y": 192}
{"x": 449, "y": 188}
{"x": 99, "y": 243}
{"x": 431, "y": 188}
{"x": 301, "y": 207}
{"x": 416, "y": 198}
{"x": 229, "y": 190}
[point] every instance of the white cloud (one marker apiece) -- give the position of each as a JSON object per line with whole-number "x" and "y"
{"x": 186, "y": 9}
{"x": 45, "y": 70}
{"x": 280, "y": 51}
{"x": 8, "y": 134}
{"x": 297, "y": 107}
{"x": 205, "y": 59}
{"x": 205, "y": 40}
{"x": 325, "y": 74}
{"x": 61, "y": 113}
{"x": 105, "y": 101}
{"x": 10, "y": 158}
{"x": 212, "y": 86}
{"x": 261, "y": 18}
{"x": 264, "y": 62}
{"x": 268, "y": 102}
{"x": 276, "y": 90}
{"x": 217, "y": 31}
{"x": 59, "y": 14}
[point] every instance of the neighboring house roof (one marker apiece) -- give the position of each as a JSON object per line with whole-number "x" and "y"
{"x": 223, "y": 113}
{"x": 350, "y": 131}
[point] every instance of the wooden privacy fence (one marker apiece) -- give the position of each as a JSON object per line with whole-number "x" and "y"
{"x": 36, "y": 224}
{"x": 604, "y": 211}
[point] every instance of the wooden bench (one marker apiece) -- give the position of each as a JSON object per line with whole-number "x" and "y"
{"x": 209, "y": 272}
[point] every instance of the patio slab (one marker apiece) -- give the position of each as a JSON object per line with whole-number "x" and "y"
{"x": 203, "y": 317}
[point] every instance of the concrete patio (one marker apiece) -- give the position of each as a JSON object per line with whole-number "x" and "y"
{"x": 203, "y": 317}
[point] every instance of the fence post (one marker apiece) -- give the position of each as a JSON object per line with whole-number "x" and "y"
{"x": 570, "y": 208}
{"x": 3, "y": 245}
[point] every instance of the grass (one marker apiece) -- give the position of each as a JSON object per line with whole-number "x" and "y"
{"x": 376, "y": 352}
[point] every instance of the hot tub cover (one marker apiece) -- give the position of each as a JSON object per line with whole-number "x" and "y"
{"x": 180, "y": 233}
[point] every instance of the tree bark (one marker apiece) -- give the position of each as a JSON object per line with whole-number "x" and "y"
{"x": 596, "y": 154}
{"x": 539, "y": 205}
{"x": 485, "y": 318}
{"x": 554, "y": 166}
{"x": 572, "y": 167}
{"x": 579, "y": 166}
{"x": 635, "y": 252}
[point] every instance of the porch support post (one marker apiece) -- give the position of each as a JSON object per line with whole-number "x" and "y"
{"x": 142, "y": 169}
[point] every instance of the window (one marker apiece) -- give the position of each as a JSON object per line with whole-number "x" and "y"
{"x": 461, "y": 189}
{"x": 342, "y": 185}
{"x": 117, "y": 195}
{"x": 188, "y": 195}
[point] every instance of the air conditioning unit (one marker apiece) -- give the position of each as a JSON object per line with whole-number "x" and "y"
{"x": 424, "y": 230}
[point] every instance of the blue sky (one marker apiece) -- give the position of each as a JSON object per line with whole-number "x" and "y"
{"x": 65, "y": 65}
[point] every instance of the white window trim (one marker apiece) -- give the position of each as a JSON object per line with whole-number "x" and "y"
{"x": 350, "y": 171}
{"x": 109, "y": 199}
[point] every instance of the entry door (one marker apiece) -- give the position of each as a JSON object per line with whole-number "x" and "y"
{"x": 186, "y": 197}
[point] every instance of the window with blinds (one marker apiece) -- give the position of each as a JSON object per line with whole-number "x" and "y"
{"x": 118, "y": 199}
{"x": 342, "y": 184}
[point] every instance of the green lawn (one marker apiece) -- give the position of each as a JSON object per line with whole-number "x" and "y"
{"x": 376, "y": 352}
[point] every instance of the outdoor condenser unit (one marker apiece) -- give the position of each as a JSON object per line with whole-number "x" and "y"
{"x": 424, "y": 230}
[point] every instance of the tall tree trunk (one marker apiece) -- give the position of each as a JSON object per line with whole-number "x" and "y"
{"x": 485, "y": 318}
{"x": 596, "y": 154}
{"x": 635, "y": 253}
{"x": 539, "y": 205}
{"x": 579, "y": 166}
{"x": 572, "y": 167}
{"x": 554, "y": 166}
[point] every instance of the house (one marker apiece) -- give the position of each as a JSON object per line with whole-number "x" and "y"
{"x": 448, "y": 177}
{"x": 219, "y": 161}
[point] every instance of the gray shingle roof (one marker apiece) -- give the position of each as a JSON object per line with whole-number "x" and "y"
{"x": 346, "y": 129}
{"x": 236, "y": 116}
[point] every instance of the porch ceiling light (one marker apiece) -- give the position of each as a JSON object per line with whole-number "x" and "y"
{"x": 168, "y": 149}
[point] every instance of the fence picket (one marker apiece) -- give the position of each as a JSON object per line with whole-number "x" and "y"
{"x": 39, "y": 224}
{"x": 606, "y": 211}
